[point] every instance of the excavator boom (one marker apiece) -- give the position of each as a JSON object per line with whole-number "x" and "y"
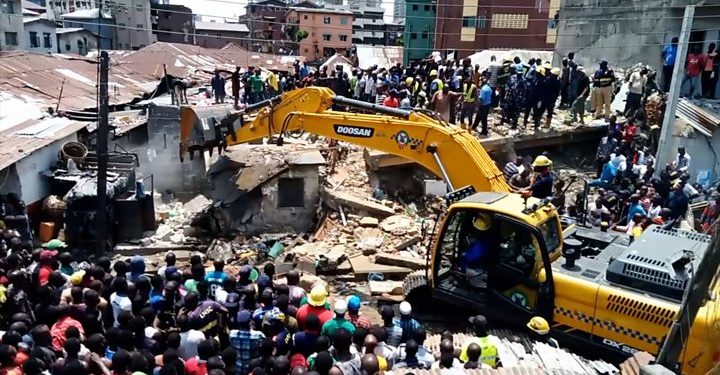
{"x": 447, "y": 151}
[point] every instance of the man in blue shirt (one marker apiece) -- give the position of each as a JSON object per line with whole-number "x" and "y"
{"x": 635, "y": 207}
{"x": 669, "y": 54}
{"x": 607, "y": 176}
{"x": 216, "y": 277}
{"x": 484, "y": 104}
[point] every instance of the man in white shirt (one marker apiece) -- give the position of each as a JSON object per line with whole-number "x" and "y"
{"x": 120, "y": 300}
{"x": 189, "y": 338}
{"x": 682, "y": 160}
{"x": 635, "y": 90}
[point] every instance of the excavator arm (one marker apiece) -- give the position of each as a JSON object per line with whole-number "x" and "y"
{"x": 447, "y": 151}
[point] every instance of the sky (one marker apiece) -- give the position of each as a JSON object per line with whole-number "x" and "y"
{"x": 232, "y": 9}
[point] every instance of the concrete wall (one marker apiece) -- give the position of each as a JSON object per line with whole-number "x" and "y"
{"x": 40, "y": 28}
{"x": 33, "y": 186}
{"x": 704, "y": 151}
{"x": 101, "y": 26}
{"x": 11, "y": 21}
{"x": 630, "y": 32}
{"x": 185, "y": 179}
{"x": 174, "y": 23}
{"x": 135, "y": 142}
{"x": 135, "y": 15}
{"x": 88, "y": 42}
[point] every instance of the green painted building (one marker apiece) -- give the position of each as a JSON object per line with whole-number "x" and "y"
{"x": 419, "y": 29}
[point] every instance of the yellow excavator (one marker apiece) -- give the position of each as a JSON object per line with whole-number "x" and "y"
{"x": 603, "y": 291}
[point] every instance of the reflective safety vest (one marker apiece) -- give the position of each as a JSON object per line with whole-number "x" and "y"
{"x": 469, "y": 97}
{"x": 439, "y": 83}
{"x": 489, "y": 352}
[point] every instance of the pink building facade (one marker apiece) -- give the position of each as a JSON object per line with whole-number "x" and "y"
{"x": 329, "y": 31}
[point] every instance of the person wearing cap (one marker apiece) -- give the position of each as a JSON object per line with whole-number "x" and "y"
{"x": 406, "y": 322}
{"x": 550, "y": 90}
{"x": 487, "y": 342}
{"x": 315, "y": 305}
{"x": 533, "y": 83}
{"x": 543, "y": 181}
{"x": 339, "y": 321}
{"x": 603, "y": 80}
{"x": 541, "y": 331}
{"x": 514, "y": 100}
{"x": 137, "y": 269}
{"x": 472, "y": 263}
{"x": 354, "y": 316}
{"x": 581, "y": 90}
{"x": 246, "y": 341}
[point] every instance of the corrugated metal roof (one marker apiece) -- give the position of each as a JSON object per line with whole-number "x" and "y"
{"x": 184, "y": 60}
{"x": 221, "y": 26}
{"x": 22, "y": 140}
{"x": 319, "y": 10}
{"x": 65, "y": 30}
{"x": 38, "y": 78}
{"x": 86, "y": 14}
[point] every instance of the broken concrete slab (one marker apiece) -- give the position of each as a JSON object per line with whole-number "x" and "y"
{"x": 407, "y": 243}
{"x": 197, "y": 204}
{"x": 368, "y": 221}
{"x": 368, "y": 238}
{"x": 362, "y": 267}
{"x": 400, "y": 261}
{"x": 378, "y": 288}
{"x": 130, "y": 250}
{"x": 397, "y": 224}
{"x": 336, "y": 198}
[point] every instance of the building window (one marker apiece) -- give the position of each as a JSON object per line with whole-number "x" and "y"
{"x": 509, "y": 21}
{"x": 326, "y": 20}
{"x": 326, "y": 37}
{"x": 481, "y": 22}
{"x": 307, "y": 50}
{"x": 427, "y": 8}
{"x": 343, "y": 38}
{"x": 413, "y": 35}
{"x": 469, "y": 21}
{"x": 46, "y": 40}
{"x": 343, "y": 20}
{"x": 139, "y": 26}
{"x": 67, "y": 46}
{"x": 291, "y": 192}
{"x": 34, "y": 40}
{"x": 11, "y": 39}
{"x": 415, "y": 7}
{"x": 7, "y": 7}
{"x": 138, "y": 7}
{"x": 305, "y": 17}
{"x": 425, "y": 35}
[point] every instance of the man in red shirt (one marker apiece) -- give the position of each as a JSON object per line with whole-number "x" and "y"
{"x": 46, "y": 265}
{"x": 629, "y": 132}
{"x": 392, "y": 101}
{"x": 315, "y": 305}
{"x": 693, "y": 67}
{"x": 198, "y": 365}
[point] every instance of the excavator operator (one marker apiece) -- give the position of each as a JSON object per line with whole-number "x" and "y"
{"x": 474, "y": 262}
{"x": 543, "y": 180}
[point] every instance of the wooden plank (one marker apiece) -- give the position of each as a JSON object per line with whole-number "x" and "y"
{"x": 400, "y": 261}
{"x": 362, "y": 267}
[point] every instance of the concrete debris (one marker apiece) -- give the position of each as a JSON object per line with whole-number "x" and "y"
{"x": 335, "y": 198}
{"x": 401, "y": 261}
{"x": 369, "y": 221}
{"x": 196, "y": 205}
{"x": 378, "y": 288}
{"x": 398, "y": 225}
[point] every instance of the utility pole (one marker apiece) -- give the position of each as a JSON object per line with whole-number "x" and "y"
{"x": 664, "y": 154}
{"x": 102, "y": 154}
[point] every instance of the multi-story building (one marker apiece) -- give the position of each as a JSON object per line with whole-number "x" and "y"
{"x": 39, "y": 35}
{"x": 399, "y": 8}
{"x": 368, "y": 26}
{"x": 11, "y": 25}
{"x": 266, "y": 21}
{"x": 132, "y": 18}
{"x": 218, "y": 35}
{"x": 96, "y": 21}
{"x": 419, "y": 26}
{"x": 464, "y": 27}
{"x": 324, "y": 32}
{"x": 172, "y": 23}
{"x": 56, "y": 8}
{"x": 394, "y": 33}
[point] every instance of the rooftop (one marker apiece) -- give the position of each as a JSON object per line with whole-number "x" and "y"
{"x": 320, "y": 10}
{"x": 378, "y": 55}
{"x": 28, "y": 20}
{"x": 29, "y": 5}
{"x": 87, "y": 14}
{"x": 219, "y": 26}
{"x": 65, "y": 30}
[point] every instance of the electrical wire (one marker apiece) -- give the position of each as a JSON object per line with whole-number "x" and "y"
{"x": 248, "y": 39}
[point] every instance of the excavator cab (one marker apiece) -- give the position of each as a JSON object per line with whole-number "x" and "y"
{"x": 493, "y": 255}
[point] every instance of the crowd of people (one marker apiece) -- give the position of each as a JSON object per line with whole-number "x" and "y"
{"x": 99, "y": 317}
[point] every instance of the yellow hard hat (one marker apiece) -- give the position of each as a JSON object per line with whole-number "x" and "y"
{"x": 539, "y": 325}
{"x": 433, "y": 72}
{"x": 541, "y": 70}
{"x": 482, "y": 222}
{"x": 547, "y": 66}
{"x": 317, "y": 296}
{"x": 555, "y": 71}
{"x": 542, "y": 161}
{"x": 409, "y": 81}
{"x": 637, "y": 231}
{"x": 77, "y": 278}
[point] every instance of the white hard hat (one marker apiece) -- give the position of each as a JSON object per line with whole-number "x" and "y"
{"x": 405, "y": 308}
{"x": 340, "y": 306}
